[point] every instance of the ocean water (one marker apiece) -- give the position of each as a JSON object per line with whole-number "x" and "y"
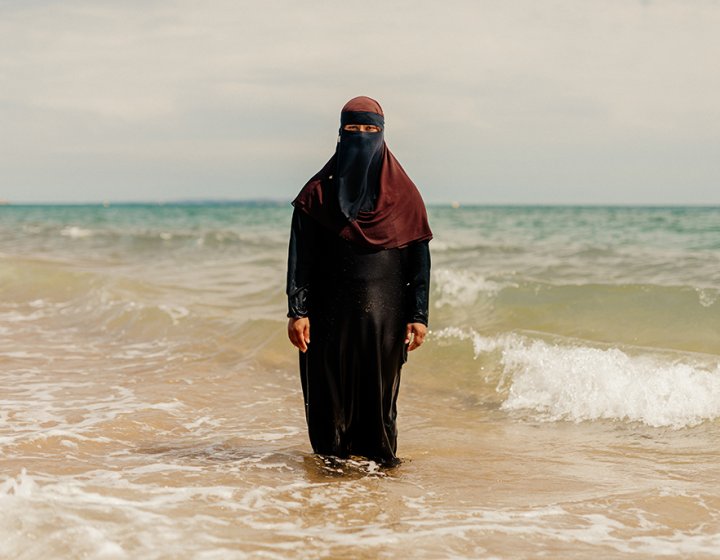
{"x": 565, "y": 405}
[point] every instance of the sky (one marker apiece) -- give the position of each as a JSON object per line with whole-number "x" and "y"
{"x": 489, "y": 102}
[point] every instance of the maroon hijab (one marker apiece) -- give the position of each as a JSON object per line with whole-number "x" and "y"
{"x": 398, "y": 216}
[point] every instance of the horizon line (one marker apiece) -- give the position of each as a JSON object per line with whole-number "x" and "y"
{"x": 279, "y": 202}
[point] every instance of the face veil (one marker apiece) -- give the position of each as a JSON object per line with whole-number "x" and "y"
{"x": 359, "y": 162}
{"x": 362, "y": 193}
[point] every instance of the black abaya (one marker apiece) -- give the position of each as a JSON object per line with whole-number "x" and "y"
{"x": 359, "y": 303}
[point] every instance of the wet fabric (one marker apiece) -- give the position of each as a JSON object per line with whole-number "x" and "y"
{"x": 359, "y": 302}
{"x": 302, "y": 255}
{"x": 362, "y": 193}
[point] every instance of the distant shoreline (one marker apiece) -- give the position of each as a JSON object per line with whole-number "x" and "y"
{"x": 287, "y": 203}
{"x": 284, "y": 203}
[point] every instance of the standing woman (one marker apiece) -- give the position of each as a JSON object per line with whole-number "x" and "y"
{"x": 358, "y": 279}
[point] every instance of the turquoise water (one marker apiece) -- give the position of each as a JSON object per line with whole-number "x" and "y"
{"x": 566, "y": 402}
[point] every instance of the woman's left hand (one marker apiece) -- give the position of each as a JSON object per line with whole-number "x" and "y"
{"x": 415, "y": 335}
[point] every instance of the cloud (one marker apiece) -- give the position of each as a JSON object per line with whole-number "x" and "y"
{"x": 514, "y": 101}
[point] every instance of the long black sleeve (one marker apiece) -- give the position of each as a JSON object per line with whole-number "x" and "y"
{"x": 418, "y": 279}
{"x": 300, "y": 260}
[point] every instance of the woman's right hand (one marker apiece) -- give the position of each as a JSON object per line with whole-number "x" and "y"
{"x": 299, "y": 332}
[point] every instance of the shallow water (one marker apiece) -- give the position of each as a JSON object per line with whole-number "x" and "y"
{"x": 566, "y": 403}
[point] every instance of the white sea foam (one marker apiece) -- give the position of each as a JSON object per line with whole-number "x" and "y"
{"x": 22, "y": 486}
{"x": 176, "y": 312}
{"x": 575, "y": 382}
{"x": 74, "y": 513}
{"x": 707, "y": 296}
{"x": 163, "y": 467}
{"x": 461, "y": 287}
{"x": 590, "y": 383}
{"x": 43, "y": 410}
{"x": 481, "y": 344}
{"x": 274, "y": 436}
{"x": 18, "y": 317}
{"x": 199, "y": 422}
{"x": 71, "y": 517}
{"x": 75, "y": 232}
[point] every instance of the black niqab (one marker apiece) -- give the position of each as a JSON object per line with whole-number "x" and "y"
{"x": 362, "y": 193}
{"x": 359, "y": 162}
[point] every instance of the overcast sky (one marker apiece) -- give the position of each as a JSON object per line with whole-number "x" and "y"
{"x": 507, "y": 101}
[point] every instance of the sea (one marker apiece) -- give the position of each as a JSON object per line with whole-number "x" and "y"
{"x": 566, "y": 403}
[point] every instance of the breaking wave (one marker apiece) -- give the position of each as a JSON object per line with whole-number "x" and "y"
{"x": 576, "y": 382}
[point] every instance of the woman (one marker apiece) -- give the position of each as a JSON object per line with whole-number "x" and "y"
{"x": 358, "y": 275}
